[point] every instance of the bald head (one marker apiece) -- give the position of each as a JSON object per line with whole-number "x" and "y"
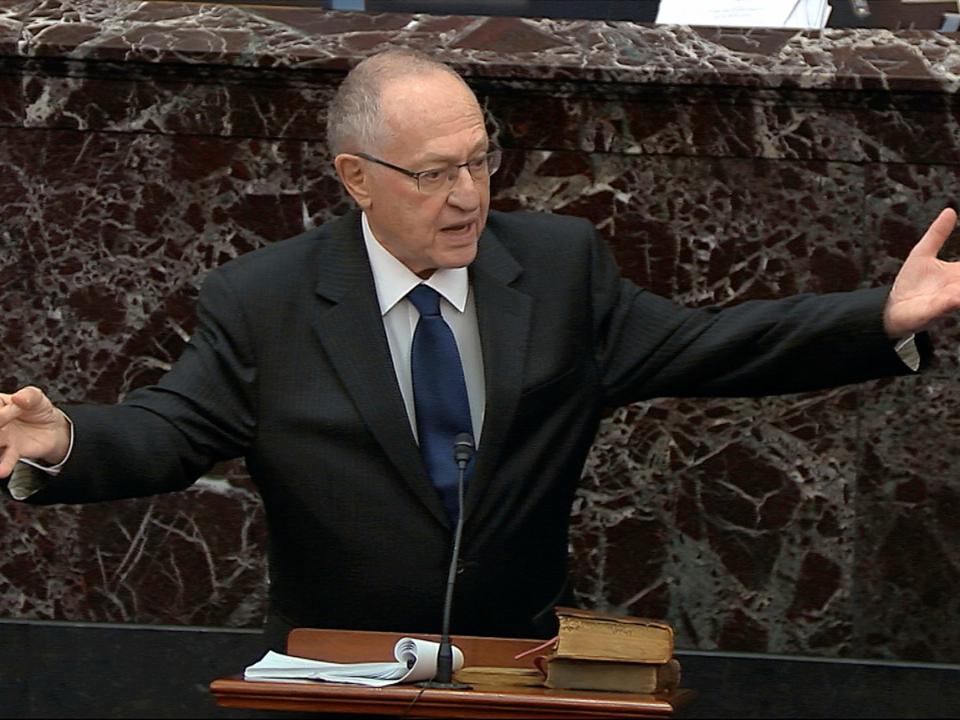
{"x": 410, "y": 145}
{"x": 356, "y": 118}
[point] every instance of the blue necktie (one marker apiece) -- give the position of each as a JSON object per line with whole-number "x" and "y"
{"x": 439, "y": 393}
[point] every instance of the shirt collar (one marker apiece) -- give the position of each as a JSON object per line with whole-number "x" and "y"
{"x": 394, "y": 280}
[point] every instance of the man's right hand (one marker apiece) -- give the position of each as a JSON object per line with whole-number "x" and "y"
{"x": 31, "y": 427}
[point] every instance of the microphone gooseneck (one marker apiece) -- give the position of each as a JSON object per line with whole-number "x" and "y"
{"x": 463, "y": 450}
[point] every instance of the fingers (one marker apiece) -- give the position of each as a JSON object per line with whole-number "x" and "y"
{"x": 8, "y": 457}
{"x": 9, "y": 411}
{"x": 37, "y": 414}
{"x": 8, "y": 460}
{"x": 937, "y": 233}
{"x": 12, "y": 407}
{"x": 28, "y": 398}
{"x": 29, "y": 402}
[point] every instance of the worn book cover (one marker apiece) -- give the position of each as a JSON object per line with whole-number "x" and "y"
{"x": 601, "y": 636}
{"x": 500, "y": 676}
{"x": 573, "y": 674}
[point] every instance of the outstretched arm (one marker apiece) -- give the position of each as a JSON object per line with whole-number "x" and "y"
{"x": 926, "y": 287}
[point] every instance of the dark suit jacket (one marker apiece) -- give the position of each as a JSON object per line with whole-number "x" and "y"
{"x": 289, "y": 367}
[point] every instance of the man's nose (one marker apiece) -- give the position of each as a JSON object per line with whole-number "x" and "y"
{"x": 464, "y": 193}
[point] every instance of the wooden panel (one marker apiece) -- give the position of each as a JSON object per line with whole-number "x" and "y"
{"x": 362, "y": 646}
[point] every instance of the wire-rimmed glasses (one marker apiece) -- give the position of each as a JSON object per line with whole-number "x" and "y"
{"x": 443, "y": 178}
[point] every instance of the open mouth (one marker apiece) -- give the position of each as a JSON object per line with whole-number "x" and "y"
{"x": 458, "y": 228}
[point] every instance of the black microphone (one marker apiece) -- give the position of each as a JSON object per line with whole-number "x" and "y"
{"x": 861, "y": 8}
{"x": 463, "y": 450}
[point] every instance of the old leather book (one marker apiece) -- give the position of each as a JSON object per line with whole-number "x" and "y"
{"x": 612, "y": 675}
{"x": 588, "y": 634}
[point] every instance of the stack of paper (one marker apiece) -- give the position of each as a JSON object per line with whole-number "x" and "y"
{"x": 807, "y": 14}
{"x": 416, "y": 661}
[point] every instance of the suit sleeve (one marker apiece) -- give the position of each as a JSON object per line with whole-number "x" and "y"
{"x": 650, "y": 347}
{"x": 163, "y": 437}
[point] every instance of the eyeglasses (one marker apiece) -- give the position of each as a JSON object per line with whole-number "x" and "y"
{"x": 442, "y": 179}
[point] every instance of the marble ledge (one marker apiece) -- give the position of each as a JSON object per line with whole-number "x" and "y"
{"x": 493, "y": 47}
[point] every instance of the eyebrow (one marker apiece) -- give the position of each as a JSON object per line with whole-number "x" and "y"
{"x": 435, "y": 158}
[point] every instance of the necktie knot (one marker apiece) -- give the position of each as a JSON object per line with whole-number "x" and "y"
{"x": 425, "y": 299}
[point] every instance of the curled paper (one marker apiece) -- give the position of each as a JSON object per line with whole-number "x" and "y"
{"x": 416, "y": 660}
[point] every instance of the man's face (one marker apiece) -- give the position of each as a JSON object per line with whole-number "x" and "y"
{"x": 431, "y": 121}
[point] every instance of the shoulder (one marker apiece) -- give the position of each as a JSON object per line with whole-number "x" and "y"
{"x": 545, "y": 239}
{"x": 282, "y": 262}
{"x": 275, "y": 257}
{"x": 538, "y": 224}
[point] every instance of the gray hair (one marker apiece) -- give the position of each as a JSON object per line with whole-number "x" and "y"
{"x": 354, "y": 120}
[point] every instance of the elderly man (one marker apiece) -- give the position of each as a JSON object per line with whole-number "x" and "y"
{"x": 344, "y": 363}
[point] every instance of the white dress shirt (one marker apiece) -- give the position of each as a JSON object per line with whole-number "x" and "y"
{"x": 394, "y": 280}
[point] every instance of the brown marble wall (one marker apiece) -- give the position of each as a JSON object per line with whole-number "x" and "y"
{"x": 143, "y": 143}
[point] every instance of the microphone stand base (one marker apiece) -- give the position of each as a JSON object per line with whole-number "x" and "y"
{"x": 437, "y": 685}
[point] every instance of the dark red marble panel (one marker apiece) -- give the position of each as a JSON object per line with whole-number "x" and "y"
{"x": 110, "y": 234}
{"x": 12, "y": 15}
{"x": 908, "y": 497}
{"x": 623, "y": 52}
{"x": 192, "y": 558}
{"x": 106, "y": 240}
{"x": 731, "y": 517}
{"x": 237, "y": 103}
{"x": 725, "y": 122}
{"x": 11, "y": 101}
{"x": 11, "y": 95}
{"x": 705, "y": 230}
{"x": 754, "y": 537}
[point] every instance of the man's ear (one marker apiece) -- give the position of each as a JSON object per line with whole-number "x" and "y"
{"x": 355, "y": 179}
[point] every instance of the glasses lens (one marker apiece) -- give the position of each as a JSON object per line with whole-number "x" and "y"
{"x": 432, "y": 181}
{"x": 443, "y": 179}
{"x": 493, "y": 160}
{"x": 484, "y": 166}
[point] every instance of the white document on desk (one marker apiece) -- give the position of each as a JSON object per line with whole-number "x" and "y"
{"x": 745, "y": 13}
{"x": 416, "y": 660}
{"x": 809, "y": 14}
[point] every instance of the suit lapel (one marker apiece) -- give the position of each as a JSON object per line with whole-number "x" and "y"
{"x": 351, "y": 331}
{"x": 503, "y": 315}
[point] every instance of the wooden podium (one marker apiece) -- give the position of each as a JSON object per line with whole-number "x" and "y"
{"x": 482, "y": 701}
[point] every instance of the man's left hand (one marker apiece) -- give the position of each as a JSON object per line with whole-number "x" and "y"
{"x": 925, "y": 288}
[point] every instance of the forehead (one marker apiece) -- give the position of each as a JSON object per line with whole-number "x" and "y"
{"x": 432, "y": 113}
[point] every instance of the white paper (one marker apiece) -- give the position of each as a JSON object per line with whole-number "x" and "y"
{"x": 745, "y": 13}
{"x": 416, "y": 661}
{"x": 812, "y": 14}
